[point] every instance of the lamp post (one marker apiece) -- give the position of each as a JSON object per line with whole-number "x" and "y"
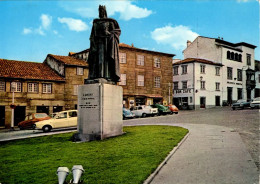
{"x": 169, "y": 85}
{"x": 12, "y": 120}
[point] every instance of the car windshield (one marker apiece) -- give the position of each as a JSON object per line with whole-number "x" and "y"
{"x": 241, "y": 101}
{"x": 257, "y": 99}
{"x": 40, "y": 115}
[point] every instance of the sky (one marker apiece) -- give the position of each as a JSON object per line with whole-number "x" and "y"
{"x": 30, "y": 30}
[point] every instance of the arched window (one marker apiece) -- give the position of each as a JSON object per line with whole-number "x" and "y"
{"x": 240, "y": 58}
{"x": 228, "y": 54}
{"x": 232, "y": 56}
{"x": 236, "y": 56}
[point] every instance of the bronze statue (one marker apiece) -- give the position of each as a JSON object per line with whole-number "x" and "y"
{"x": 104, "y": 45}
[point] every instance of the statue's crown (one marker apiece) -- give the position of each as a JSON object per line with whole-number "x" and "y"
{"x": 102, "y": 7}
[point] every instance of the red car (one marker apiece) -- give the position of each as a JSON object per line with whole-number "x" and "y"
{"x": 31, "y": 119}
{"x": 173, "y": 109}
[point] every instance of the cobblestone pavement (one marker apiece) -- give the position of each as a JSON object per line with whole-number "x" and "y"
{"x": 246, "y": 122}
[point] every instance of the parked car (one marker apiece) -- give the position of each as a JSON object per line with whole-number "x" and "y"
{"x": 162, "y": 110}
{"x": 240, "y": 104}
{"x": 255, "y": 103}
{"x": 61, "y": 120}
{"x": 127, "y": 114}
{"x": 173, "y": 109}
{"x": 31, "y": 119}
{"x": 144, "y": 110}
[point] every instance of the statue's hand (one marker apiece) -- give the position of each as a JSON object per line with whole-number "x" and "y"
{"x": 108, "y": 33}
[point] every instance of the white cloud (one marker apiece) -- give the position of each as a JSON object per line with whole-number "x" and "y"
{"x": 27, "y": 30}
{"x": 55, "y": 32}
{"x": 39, "y": 31}
{"x": 46, "y": 21}
{"x": 89, "y": 9}
{"x": 74, "y": 24}
{"x": 176, "y": 36}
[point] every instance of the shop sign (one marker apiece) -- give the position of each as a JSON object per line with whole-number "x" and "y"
{"x": 182, "y": 91}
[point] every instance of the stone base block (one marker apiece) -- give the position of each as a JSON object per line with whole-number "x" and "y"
{"x": 99, "y": 111}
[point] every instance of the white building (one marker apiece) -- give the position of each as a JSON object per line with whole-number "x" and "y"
{"x": 215, "y": 73}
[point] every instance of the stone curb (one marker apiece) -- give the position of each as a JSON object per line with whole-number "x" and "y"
{"x": 151, "y": 177}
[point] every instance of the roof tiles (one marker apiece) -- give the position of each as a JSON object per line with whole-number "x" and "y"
{"x": 27, "y": 70}
{"x": 68, "y": 60}
{"x": 191, "y": 60}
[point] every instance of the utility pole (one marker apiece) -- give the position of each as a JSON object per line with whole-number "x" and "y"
{"x": 12, "y": 120}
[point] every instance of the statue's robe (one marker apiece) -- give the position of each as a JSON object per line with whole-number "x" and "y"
{"x": 104, "y": 50}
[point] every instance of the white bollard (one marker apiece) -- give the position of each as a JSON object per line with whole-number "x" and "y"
{"x": 77, "y": 171}
{"x": 62, "y": 173}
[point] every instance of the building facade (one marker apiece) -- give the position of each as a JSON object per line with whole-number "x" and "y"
{"x": 233, "y": 61}
{"x": 197, "y": 83}
{"x": 39, "y": 87}
{"x": 257, "y": 78}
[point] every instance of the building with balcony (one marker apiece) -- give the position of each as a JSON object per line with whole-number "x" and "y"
{"x": 231, "y": 71}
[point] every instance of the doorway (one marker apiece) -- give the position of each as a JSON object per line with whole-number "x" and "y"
{"x": 57, "y": 109}
{"x": 229, "y": 89}
{"x": 248, "y": 91}
{"x": 42, "y": 109}
{"x": 19, "y": 114}
{"x": 239, "y": 94}
{"x": 202, "y": 102}
{"x": 2, "y": 116}
{"x": 217, "y": 100}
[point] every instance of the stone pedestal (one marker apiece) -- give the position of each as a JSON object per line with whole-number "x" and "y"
{"x": 99, "y": 111}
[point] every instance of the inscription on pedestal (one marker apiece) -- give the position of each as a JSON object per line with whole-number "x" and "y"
{"x": 88, "y": 101}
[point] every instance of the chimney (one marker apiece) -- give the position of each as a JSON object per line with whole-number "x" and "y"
{"x": 188, "y": 43}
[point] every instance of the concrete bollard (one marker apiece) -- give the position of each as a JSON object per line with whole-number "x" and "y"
{"x": 77, "y": 171}
{"x": 62, "y": 173}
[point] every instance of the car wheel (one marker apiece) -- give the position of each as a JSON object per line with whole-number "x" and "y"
{"x": 21, "y": 128}
{"x": 233, "y": 108}
{"x": 143, "y": 115}
{"x": 176, "y": 112}
{"x": 171, "y": 112}
{"x": 46, "y": 128}
{"x": 124, "y": 118}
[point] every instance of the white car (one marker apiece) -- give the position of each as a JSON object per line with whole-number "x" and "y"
{"x": 144, "y": 110}
{"x": 61, "y": 119}
{"x": 255, "y": 103}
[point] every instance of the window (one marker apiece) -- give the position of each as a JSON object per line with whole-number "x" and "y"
{"x": 175, "y": 85}
{"x": 16, "y": 87}
{"x": 2, "y": 86}
{"x": 228, "y": 54}
{"x": 123, "y": 79}
{"x": 240, "y": 58}
{"x": 157, "y": 82}
{"x": 184, "y": 84}
{"x": 46, "y": 88}
{"x": 248, "y": 59}
{"x": 232, "y": 56}
{"x": 229, "y": 73}
{"x": 175, "y": 70}
{"x": 184, "y": 69}
{"x": 33, "y": 87}
{"x": 202, "y": 68}
{"x": 72, "y": 114}
{"x": 122, "y": 57}
{"x": 217, "y": 86}
{"x": 202, "y": 85}
{"x": 80, "y": 71}
{"x": 190, "y": 99}
{"x": 157, "y": 63}
{"x": 140, "y": 79}
{"x": 140, "y": 60}
{"x": 239, "y": 75}
{"x": 218, "y": 71}
{"x": 75, "y": 89}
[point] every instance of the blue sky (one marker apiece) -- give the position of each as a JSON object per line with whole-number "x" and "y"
{"x": 32, "y": 29}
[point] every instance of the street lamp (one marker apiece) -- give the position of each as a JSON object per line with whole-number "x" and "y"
{"x": 169, "y": 85}
{"x": 12, "y": 106}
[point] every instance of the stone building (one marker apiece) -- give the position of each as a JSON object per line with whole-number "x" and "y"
{"x": 146, "y": 76}
{"x": 233, "y": 79}
{"x": 39, "y": 87}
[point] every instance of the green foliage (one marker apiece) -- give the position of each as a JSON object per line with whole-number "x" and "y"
{"x": 129, "y": 158}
